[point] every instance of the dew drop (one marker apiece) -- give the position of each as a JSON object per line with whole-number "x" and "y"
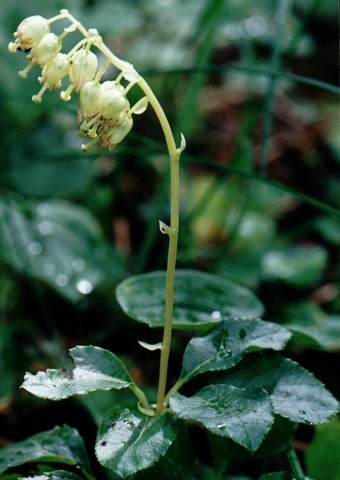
{"x": 84, "y": 286}
{"x": 221, "y": 426}
{"x": 242, "y": 333}
{"x": 34, "y": 248}
{"x": 45, "y": 227}
{"x": 62, "y": 280}
{"x": 216, "y": 315}
{"x": 44, "y": 209}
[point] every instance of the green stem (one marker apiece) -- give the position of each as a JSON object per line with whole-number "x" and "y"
{"x": 173, "y": 240}
{"x": 295, "y": 465}
{"x": 174, "y": 154}
{"x": 141, "y": 396}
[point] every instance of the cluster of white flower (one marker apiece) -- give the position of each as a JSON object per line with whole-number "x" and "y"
{"x": 105, "y": 113}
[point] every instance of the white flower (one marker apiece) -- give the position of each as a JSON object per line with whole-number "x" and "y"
{"x": 83, "y": 68}
{"x": 47, "y": 48}
{"x": 29, "y": 32}
{"x": 55, "y": 70}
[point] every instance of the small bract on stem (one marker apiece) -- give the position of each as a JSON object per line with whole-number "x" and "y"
{"x": 106, "y": 117}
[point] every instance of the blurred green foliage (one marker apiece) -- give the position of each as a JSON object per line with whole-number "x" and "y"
{"x": 260, "y": 191}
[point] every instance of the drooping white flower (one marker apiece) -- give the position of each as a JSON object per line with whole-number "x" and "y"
{"x": 83, "y": 68}
{"x": 29, "y": 32}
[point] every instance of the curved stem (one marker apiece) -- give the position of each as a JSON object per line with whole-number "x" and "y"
{"x": 130, "y": 74}
{"x": 173, "y": 240}
{"x": 174, "y": 154}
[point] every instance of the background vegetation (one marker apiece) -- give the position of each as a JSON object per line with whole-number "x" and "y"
{"x": 252, "y": 85}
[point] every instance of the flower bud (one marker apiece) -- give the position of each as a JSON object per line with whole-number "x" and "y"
{"x": 113, "y": 102}
{"x": 89, "y": 97}
{"x": 83, "y": 68}
{"x": 31, "y": 31}
{"x": 55, "y": 70}
{"x": 48, "y": 47}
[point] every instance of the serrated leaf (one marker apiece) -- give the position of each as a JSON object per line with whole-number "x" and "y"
{"x": 95, "y": 369}
{"x": 226, "y": 452}
{"x": 229, "y": 342}
{"x": 242, "y": 414}
{"x": 129, "y": 441}
{"x": 59, "y": 445}
{"x": 201, "y": 300}
{"x": 294, "y": 392}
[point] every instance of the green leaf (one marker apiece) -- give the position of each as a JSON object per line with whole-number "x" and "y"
{"x": 229, "y": 342}
{"x": 324, "y": 446}
{"x": 201, "y": 299}
{"x": 311, "y": 326}
{"x": 55, "y": 475}
{"x": 294, "y": 392}
{"x": 226, "y": 452}
{"x": 95, "y": 369}
{"x": 178, "y": 461}
{"x": 297, "y": 266}
{"x": 58, "y": 243}
{"x": 44, "y": 176}
{"x": 129, "y": 441}
{"x": 59, "y": 445}
{"x": 242, "y": 414}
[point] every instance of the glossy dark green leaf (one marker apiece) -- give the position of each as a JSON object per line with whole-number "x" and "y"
{"x": 177, "y": 462}
{"x": 242, "y": 414}
{"x": 58, "y": 243}
{"x": 55, "y": 475}
{"x": 226, "y": 452}
{"x": 59, "y": 445}
{"x": 294, "y": 392}
{"x": 95, "y": 369}
{"x": 311, "y": 326}
{"x": 129, "y": 441}
{"x": 201, "y": 299}
{"x": 229, "y": 342}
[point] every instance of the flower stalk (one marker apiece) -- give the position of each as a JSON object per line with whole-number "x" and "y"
{"x": 106, "y": 118}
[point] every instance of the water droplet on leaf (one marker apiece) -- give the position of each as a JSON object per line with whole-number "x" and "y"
{"x": 34, "y": 248}
{"x": 221, "y": 426}
{"x": 44, "y": 209}
{"x": 84, "y": 286}
{"x": 216, "y": 315}
{"x": 45, "y": 227}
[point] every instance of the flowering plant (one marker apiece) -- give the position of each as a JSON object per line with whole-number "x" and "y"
{"x": 250, "y": 395}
